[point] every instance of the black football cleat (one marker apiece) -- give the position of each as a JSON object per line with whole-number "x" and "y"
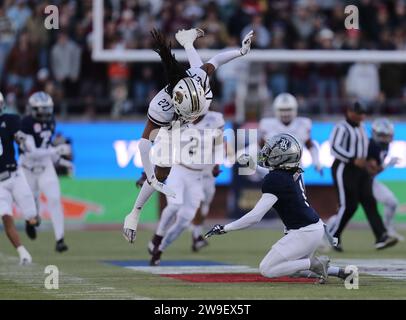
{"x": 61, "y": 246}
{"x": 386, "y": 242}
{"x": 30, "y": 230}
{"x": 155, "y": 259}
{"x": 199, "y": 243}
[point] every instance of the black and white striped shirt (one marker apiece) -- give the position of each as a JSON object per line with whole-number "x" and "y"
{"x": 348, "y": 142}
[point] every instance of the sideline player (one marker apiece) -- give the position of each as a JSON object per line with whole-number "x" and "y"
{"x": 283, "y": 189}
{"x": 38, "y": 163}
{"x": 185, "y": 98}
{"x": 382, "y": 136}
{"x": 286, "y": 121}
{"x": 202, "y": 140}
{"x": 13, "y": 185}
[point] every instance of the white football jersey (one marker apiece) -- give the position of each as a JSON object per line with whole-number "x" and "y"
{"x": 161, "y": 110}
{"x": 300, "y": 127}
{"x": 201, "y": 147}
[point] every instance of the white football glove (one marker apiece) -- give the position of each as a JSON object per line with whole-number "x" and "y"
{"x": 392, "y": 162}
{"x": 161, "y": 187}
{"x": 187, "y": 37}
{"x": 246, "y": 43}
{"x": 244, "y": 159}
{"x": 63, "y": 149}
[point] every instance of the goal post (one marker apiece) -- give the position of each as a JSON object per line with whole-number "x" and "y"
{"x": 266, "y": 55}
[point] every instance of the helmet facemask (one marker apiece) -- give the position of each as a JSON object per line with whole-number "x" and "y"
{"x": 282, "y": 151}
{"x": 188, "y": 100}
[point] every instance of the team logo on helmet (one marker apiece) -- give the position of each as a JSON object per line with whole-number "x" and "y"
{"x": 178, "y": 97}
{"x": 283, "y": 144}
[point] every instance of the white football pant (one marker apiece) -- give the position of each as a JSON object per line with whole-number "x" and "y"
{"x": 47, "y": 182}
{"x": 187, "y": 184}
{"x": 292, "y": 253}
{"x": 16, "y": 189}
{"x": 383, "y": 195}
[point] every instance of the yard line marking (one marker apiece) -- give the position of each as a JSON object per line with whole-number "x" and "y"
{"x": 387, "y": 268}
{"x": 33, "y": 276}
{"x": 197, "y": 269}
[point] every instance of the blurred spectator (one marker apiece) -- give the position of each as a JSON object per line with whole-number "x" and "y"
{"x": 7, "y": 38}
{"x": 215, "y": 31}
{"x": 327, "y": 75}
{"x": 65, "y": 65}
{"x": 230, "y": 73}
{"x": 38, "y": 35}
{"x": 362, "y": 82}
{"x": 22, "y": 65}
{"x": 19, "y": 14}
{"x": 145, "y": 88}
{"x": 262, "y": 37}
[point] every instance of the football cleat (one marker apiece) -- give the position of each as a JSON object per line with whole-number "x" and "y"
{"x": 30, "y": 230}
{"x": 319, "y": 265}
{"x": 61, "y": 246}
{"x": 187, "y": 37}
{"x": 153, "y": 245}
{"x": 156, "y": 258}
{"x": 130, "y": 228}
{"x": 199, "y": 243}
{"x": 386, "y": 242}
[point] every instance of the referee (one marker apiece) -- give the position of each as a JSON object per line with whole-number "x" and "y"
{"x": 349, "y": 147}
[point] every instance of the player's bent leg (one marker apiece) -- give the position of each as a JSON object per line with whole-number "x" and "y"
{"x": 183, "y": 220}
{"x": 23, "y": 196}
{"x": 167, "y": 218}
{"x": 131, "y": 220}
{"x": 49, "y": 185}
{"x": 12, "y": 235}
{"x": 198, "y": 241}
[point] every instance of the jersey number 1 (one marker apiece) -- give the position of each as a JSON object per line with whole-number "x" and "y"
{"x": 303, "y": 192}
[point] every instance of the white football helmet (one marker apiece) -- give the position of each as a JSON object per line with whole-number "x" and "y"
{"x": 282, "y": 151}
{"x": 285, "y": 107}
{"x": 2, "y": 103}
{"x": 382, "y": 131}
{"x": 188, "y": 99}
{"x": 41, "y": 106}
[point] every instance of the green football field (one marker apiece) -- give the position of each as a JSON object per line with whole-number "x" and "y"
{"x": 85, "y": 271}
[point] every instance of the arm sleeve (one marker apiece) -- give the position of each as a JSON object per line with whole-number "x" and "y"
{"x": 224, "y": 57}
{"x": 194, "y": 59}
{"x": 314, "y": 152}
{"x": 145, "y": 147}
{"x": 255, "y": 215}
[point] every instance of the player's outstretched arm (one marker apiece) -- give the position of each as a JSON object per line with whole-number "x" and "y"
{"x": 145, "y": 145}
{"x": 314, "y": 153}
{"x": 227, "y": 56}
{"x": 254, "y": 216}
{"x": 186, "y": 38}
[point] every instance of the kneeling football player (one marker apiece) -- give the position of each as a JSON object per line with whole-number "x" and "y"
{"x": 283, "y": 189}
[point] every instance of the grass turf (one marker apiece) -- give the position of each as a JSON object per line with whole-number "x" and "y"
{"x": 83, "y": 275}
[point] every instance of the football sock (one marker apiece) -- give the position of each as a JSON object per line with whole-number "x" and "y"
{"x": 333, "y": 271}
{"x": 167, "y": 218}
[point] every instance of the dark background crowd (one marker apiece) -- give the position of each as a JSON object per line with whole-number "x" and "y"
{"x": 59, "y": 61}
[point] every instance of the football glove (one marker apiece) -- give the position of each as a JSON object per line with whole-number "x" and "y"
{"x": 246, "y": 43}
{"x": 63, "y": 149}
{"x": 217, "y": 229}
{"x": 161, "y": 187}
{"x": 392, "y": 162}
{"x": 187, "y": 37}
